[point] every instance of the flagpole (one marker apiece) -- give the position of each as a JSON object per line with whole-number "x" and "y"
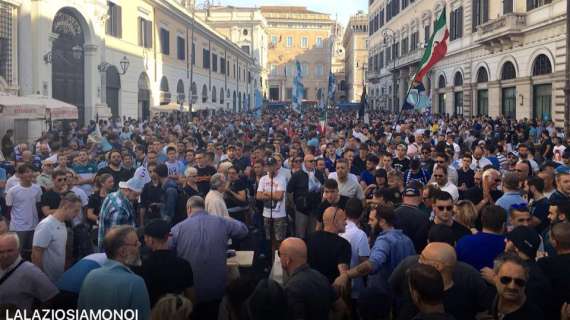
{"x": 402, "y": 109}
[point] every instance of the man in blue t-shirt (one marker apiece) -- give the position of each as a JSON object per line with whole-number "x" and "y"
{"x": 491, "y": 238}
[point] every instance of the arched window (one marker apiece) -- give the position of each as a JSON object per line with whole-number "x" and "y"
{"x": 441, "y": 82}
{"x": 508, "y": 72}
{"x": 194, "y": 91}
{"x": 458, "y": 79}
{"x": 214, "y": 94}
{"x": 164, "y": 84}
{"x": 482, "y": 75}
{"x": 541, "y": 66}
{"x": 164, "y": 91}
{"x": 204, "y": 93}
{"x": 180, "y": 92}
{"x": 221, "y": 95}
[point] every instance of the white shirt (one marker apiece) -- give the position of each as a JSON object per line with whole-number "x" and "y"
{"x": 279, "y": 184}
{"x": 351, "y": 176}
{"x": 479, "y": 164}
{"x": 359, "y": 245}
{"x": 11, "y": 182}
{"x": 24, "y": 210}
{"x": 215, "y": 204}
{"x": 51, "y": 234}
{"x": 452, "y": 190}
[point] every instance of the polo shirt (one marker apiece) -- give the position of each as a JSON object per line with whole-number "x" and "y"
{"x": 508, "y": 199}
{"x": 114, "y": 286}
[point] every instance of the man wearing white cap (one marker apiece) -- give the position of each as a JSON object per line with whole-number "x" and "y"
{"x": 117, "y": 208}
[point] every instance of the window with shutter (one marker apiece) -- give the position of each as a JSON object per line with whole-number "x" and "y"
{"x": 164, "y": 41}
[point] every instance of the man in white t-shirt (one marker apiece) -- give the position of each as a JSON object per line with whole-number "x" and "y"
{"x": 23, "y": 199}
{"x": 271, "y": 191}
{"x": 50, "y": 237}
{"x": 347, "y": 187}
{"x": 358, "y": 242}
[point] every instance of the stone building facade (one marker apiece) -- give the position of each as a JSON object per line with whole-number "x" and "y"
{"x": 355, "y": 41}
{"x": 296, "y": 33}
{"x": 505, "y": 58}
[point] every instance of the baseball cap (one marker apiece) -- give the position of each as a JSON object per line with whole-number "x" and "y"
{"x": 411, "y": 192}
{"x": 157, "y": 228}
{"x": 134, "y": 184}
{"x": 525, "y": 239}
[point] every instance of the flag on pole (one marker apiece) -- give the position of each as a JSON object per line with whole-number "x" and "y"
{"x": 332, "y": 86}
{"x": 416, "y": 98}
{"x": 436, "y": 48}
{"x": 258, "y": 103}
{"x": 298, "y": 89}
{"x": 363, "y": 104}
{"x": 323, "y": 121}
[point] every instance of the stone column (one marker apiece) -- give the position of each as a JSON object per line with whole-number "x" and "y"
{"x": 92, "y": 81}
{"x": 467, "y": 100}
{"x": 494, "y": 98}
{"x": 524, "y": 98}
{"x": 449, "y": 100}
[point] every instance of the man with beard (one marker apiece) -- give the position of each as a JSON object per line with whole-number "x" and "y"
{"x": 562, "y": 187}
{"x": 114, "y": 168}
{"x": 390, "y": 247}
{"x": 524, "y": 155}
{"x": 114, "y": 286}
{"x": 443, "y": 211}
{"x": 524, "y": 242}
{"x": 309, "y": 294}
{"x": 511, "y": 302}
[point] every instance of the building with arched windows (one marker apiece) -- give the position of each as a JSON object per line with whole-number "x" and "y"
{"x": 505, "y": 58}
{"x": 120, "y": 58}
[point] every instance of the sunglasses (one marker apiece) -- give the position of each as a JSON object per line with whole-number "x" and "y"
{"x": 439, "y": 161}
{"x": 507, "y": 280}
{"x": 61, "y": 179}
{"x": 438, "y": 175}
{"x": 445, "y": 208}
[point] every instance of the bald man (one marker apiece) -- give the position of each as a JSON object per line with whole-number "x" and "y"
{"x": 309, "y": 294}
{"x": 328, "y": 252}
{"x": 466, "y": 293}
{"x": 24, "y": 283}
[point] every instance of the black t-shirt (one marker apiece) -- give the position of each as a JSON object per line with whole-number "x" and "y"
{"x": 231, "y": 201}
{"x": 163, "y": 272}
{"x": 528, "y": 311}
{"x": 475, "y": 195}
{"x": 95, "y": 201}
{"x": 414, "y": 223}
{"x": 326, "y": 251}
{"x": 151, "y": 194}
{"x": 118, "y": 176}
{"x": 556, "y": 269}
{"x": 402, "y": 165}
{"x": 458, "y": 229}
{"x": 467, "y": 177}
{"x": 51, "y": 199}
{"x": 203, "y": 178}
{"x": 358, "y": 165}
{"x": 325, "y": 204}
{"x": 544, "y": 145}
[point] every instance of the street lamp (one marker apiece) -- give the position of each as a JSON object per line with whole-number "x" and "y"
{"x": 124, "y": 65}
{"x": 391, "y": 35}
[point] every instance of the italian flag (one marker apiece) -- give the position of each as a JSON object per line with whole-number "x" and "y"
{"x": 436, "y": 48}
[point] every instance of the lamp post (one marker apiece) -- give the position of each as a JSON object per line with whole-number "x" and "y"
{"x": 389, "y": 34}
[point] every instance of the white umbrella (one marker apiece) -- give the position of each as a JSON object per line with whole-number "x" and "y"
{"x": 57, "y": 109}
{"x": 17, "y": 107}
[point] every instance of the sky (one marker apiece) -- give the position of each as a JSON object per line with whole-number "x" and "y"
{"x": 344, "y": 8}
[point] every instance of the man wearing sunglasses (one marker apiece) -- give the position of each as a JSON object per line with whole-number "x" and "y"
{"x": 51, "y": 198}
{"x": 511, "y": 302}
{"x": 443, "y": 214}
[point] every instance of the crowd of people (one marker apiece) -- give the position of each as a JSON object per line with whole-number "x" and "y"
{"x": 428, "y": 217}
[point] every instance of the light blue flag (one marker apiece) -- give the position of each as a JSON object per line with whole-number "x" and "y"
{"x": 332, "y": 85}
{"x": 258, "y": 103}
{"x": 298, "y": 89}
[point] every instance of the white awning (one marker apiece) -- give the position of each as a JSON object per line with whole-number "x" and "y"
{"x": 17, "y": 107}
{"x": 57, "y": 109}
{"x": 170, "y": 107}
{"x": 36, "y": 107}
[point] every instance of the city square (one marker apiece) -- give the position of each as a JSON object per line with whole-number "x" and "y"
{"x": 267, "y": 159}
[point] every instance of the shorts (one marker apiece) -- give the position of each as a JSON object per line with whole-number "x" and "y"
{"x": 279, "y": 227}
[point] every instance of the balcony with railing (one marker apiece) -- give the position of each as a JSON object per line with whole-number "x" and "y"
{"x": 505, "y": 30}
